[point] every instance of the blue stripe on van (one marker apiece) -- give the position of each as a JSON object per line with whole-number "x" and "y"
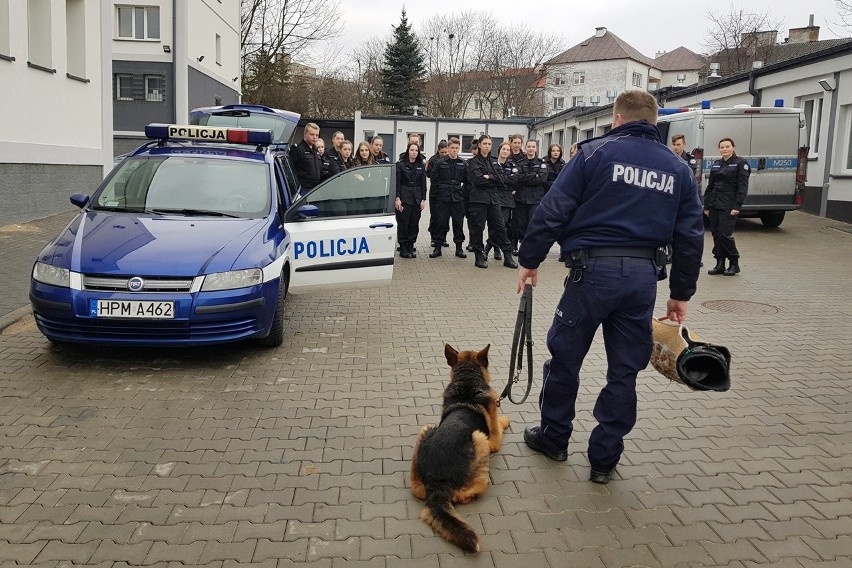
{"x": 774, "y": 163}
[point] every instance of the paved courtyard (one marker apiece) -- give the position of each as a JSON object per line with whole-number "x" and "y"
{"x": 299, "y": 455}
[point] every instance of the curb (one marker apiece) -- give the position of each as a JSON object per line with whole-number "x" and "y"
{"x": 14, "y": 317}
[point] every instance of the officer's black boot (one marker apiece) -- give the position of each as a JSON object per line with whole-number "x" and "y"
{"x": 480, "y": 261}
{"x": 719, "y": 268}
{"x": 508, "y": 261}
{"x": 498, "y": 254}
{"x": 437, "y": 251}
{"x": 515, "y": 247}
{"x": 412, "y": 251}
{"x": 460, "y": 251}
{"x": 488, "y": 247}
{"x": 403, "y": 251}
{"x": 734, "y": 268}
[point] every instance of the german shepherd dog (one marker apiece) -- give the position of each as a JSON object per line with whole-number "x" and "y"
{"x": 450, "y": 463}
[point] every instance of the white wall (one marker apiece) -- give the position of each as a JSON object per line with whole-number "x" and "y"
{"x": 48, "y": 117}
{"x": 206, "y": 19}
{"x": 601, "y": 76}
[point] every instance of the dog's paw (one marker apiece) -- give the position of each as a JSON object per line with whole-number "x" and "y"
{"x": 504, "y": 422}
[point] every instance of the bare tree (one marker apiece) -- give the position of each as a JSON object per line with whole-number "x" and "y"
{"x": 738, "y": 38}
{"x": 365, "y": 72}
{"x": 514, "y": 80}
{"x": 454, "y": 55}
{"x": 844, "y": 11}
{"x": 275, "y": 31}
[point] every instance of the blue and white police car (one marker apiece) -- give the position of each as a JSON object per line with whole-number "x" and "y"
{"x": 198, "y": 236}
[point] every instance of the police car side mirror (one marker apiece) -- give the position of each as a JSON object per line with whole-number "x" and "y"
{"x": 79, "y": 199}
{"x": 308, "y": 211}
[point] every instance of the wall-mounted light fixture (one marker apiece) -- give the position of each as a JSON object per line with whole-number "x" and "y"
{"x": 167, "y": 48}
{"x": 200, "y": 58}
{"x": 827, "y": 84}
{"x": 235, "y": 79}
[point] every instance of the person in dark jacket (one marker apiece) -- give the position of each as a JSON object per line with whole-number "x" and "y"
{"x": 474, "y": 151}
{"x": 410, "y": 199}
{"x": 486, "y": 187}
{"x": 307, "y": 163}
{"x": 376, "y": 145}
{"x": 440, "y": 152}
{"x": 622, "y": 197}
{"x": 509, "y": 181}
{"x": 364, "y": 155}
{"x": 345, "y": 159}
{"x": 448, "y": 177}
{"x": 333, "y": 154}
{"x": 554, "y": 163}
{"x": 726, "y": 191}
{"x": 532, "y": 185}
{"x": 679, "y": 148}
{"x": 326, "y": 162}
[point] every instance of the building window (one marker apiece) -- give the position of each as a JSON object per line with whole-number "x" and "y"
{"x": 848, "y": 164}
{"x": 579, "y": 77}
{"x": 75, "y": 37}
{"x": 155, "y": 88}
{"x": 558, "y": 103}
{"x": 138, "y": 22}
{"x": 39, "y": 33}
{"x": 560, "y": 138}
{"x": 559, "y": 80}
{"x": 218, "y": 49}
{"x": 5, "y": 46}
{"x": 477, "y": 104}
{"x": 464, "y": 140}
{"x": 576, "y": 101}
{"x": 217, "y": 100}
{"x": 813, "y": 114}
{"x": 124, "y": 87}
{"x": 637, "y": 79}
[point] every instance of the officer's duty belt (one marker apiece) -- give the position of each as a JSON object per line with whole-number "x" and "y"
{"x": 631, "y": 252}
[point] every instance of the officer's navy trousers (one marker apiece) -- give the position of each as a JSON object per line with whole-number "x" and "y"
{"x": 618, "y": 294}
{"x": 722, "y": 225}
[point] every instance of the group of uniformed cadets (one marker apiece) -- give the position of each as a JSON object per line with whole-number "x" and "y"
{"x": 501, "y": 192}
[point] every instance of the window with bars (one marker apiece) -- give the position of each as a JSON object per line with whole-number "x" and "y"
{"x": 155, "y": 88}
{"x": 123, "y": 87}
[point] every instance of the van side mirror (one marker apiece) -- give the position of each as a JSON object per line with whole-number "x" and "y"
{"x": 79, "y": 199}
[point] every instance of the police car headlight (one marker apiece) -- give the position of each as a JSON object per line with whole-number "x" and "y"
{"x": 53, "y": 275}
{"x": 233, "y": 279}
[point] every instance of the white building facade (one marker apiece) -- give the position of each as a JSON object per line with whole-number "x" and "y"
{"x": 55, "y": 131}
{"x": 170, "y": 56}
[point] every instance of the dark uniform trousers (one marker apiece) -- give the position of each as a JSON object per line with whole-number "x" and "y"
{"x": 408, "y": 224}
{"x": 523, "y": 213}
{"x": 478, "y": 215}
{"x": 722, "y": 227}
{"x": 444, "y": 212}
{"x": 618, "y": 293}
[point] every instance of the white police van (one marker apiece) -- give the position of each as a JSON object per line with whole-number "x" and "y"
{"x": 768, "y": 137}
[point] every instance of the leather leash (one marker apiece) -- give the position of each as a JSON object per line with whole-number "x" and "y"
{"x": 522, "y": 337}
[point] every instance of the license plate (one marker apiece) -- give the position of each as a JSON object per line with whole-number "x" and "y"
{"x": 133, "y": 309}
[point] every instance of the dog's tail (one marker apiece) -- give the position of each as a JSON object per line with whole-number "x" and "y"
{"x": 440, "y": 514}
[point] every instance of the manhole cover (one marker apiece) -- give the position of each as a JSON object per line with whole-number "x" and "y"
{"x": 740, "y": 307}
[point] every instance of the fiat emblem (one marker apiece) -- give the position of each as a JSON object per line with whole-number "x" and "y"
{"x": 135, "y": 284}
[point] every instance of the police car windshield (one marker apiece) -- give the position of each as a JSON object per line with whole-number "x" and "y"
{"x": 243, "y": 119}
{"x": 187, "y": 185}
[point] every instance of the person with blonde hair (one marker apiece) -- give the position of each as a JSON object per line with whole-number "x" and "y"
{"x": 364, "y": 155}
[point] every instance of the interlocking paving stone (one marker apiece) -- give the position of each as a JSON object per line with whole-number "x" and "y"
{"x": 300, "y": 455}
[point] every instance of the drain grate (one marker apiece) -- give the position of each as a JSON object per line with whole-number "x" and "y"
{"x": 741, "y": 307}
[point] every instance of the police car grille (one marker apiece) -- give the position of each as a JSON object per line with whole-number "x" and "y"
{"x": 109, "y": 283}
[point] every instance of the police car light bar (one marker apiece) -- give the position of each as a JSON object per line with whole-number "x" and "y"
{"x": 209, "y": 134}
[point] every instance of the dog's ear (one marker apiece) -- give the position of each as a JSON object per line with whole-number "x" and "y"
{"x": 482, "y": 356}
{"x": 451, "y": 354}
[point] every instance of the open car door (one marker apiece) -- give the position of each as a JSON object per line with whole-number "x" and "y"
{"x": 343, "y": 232}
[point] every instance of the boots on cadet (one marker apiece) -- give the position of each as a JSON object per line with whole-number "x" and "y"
{"x": 508, "y": 261}
{"x": 734, "y": 268}
{"x": 480, "y": 261}
{"x": 719, "y": 268}
{"x": 460, "y": 251}
{"x": 437, "y": 250}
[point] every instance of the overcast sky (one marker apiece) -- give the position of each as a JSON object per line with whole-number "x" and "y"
{"x": 648, "y": 25}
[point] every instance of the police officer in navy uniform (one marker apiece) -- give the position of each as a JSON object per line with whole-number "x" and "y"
{"x": 726, "y": 191}
{"x": 307, "y": 163}
{"x": 440, "y": 152}
{"x": 448, "y": 176}
{"x": 410, "y": 198}
{"x": 679, "y": 148}
{"x": 532, "y": 185}
{"x": 622, "y": 197}
{"x": 486, "y": 187}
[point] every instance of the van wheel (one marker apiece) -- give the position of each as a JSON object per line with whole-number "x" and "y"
{"x": 772, "y": 219}
{"x": 276, "y": 332}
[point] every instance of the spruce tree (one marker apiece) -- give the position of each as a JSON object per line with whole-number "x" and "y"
{"x": 403, "y": 70}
